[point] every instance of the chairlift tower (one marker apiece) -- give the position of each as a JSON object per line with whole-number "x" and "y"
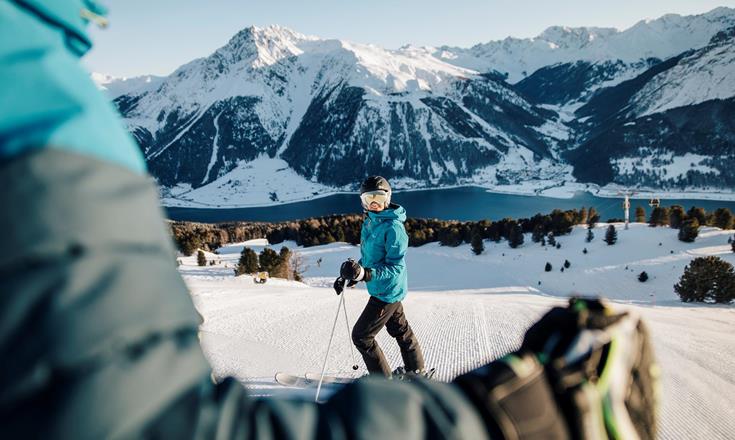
{"x": 626, "y": 205}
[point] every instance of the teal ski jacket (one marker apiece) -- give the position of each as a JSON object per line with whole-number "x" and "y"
{"x": 383, "y": 250}
{"x": 48, "y": 100}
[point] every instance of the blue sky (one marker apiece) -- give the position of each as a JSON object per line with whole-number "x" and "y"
{"x": 157, "y": 36}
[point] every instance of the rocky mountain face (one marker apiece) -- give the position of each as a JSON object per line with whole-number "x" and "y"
{"x": 649, "y": 106}
{"x": 673, "y": 126}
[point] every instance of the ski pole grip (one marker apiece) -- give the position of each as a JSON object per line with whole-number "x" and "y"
{"x": 339, "y": 285}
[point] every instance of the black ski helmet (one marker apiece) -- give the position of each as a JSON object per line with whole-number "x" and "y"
{"x": 374, "y": 183}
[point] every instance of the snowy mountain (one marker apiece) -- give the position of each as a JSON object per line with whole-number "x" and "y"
{"x": 661, "y": 38}
{"x": 672, "y": 126}
{"x": 333, "y": 111}
{"x": 115, "y": 86}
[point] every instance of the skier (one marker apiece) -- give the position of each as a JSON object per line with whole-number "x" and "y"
{"x": 98, "y": 333}
{"x": 383, "y": 268}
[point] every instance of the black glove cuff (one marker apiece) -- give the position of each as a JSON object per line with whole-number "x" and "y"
{"x": 515, "y": 399}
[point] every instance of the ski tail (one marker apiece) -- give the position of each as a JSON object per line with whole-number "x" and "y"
{"x": 329, "y": 378}
{"x": 292, "y": 380}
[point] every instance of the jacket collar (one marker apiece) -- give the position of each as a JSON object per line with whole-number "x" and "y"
{"x": 392, "y": 212}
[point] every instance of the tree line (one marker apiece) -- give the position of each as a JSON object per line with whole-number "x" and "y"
{"x": 191, "y": 236}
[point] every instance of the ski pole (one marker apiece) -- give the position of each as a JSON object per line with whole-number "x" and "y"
{"x": 349, "y": 334}
{"x": 329, "y": 346}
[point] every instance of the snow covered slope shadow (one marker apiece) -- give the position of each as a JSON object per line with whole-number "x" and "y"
{"x": 470, "y": 309}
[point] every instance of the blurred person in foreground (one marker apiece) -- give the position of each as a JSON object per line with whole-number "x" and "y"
{"x": 98, "y": 332}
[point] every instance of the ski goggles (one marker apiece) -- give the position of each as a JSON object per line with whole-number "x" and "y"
{"x": 379, "y": 196}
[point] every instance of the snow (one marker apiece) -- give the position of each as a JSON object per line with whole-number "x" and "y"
{"x": 667, "y": 166}
{"x": 116, "y": 86}
{"x": 705, "y": 75}
{"x": 662, "y": 38}
{"x": 468, "y": 310}
{"x": 215, "y": 148}
{"x": 261, "y": 182}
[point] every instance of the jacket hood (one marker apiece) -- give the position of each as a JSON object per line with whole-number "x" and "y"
{"x": 67, "y": 15}
{"x": 393, "y": 212}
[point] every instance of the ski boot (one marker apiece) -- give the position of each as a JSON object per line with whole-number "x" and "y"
{"x": 400, "y": 373}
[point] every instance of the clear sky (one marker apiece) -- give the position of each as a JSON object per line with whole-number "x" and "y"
{"x": 157, "y": 36}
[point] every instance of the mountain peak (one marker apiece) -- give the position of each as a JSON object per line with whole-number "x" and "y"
{"x": 264, "y": 45}
{"x": 572, "y": 38}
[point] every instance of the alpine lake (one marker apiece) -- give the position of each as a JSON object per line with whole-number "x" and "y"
{"x": 464, "y": 204}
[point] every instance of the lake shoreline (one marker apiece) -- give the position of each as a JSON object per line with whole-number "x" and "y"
{"x": 565, "y": 191}
{"x": 463, "y": 203}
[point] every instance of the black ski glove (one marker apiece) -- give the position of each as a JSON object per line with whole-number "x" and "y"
{"x": 583, "y": 371}
{"x": 351, "y": 270}
{"x": 339, "y": 285}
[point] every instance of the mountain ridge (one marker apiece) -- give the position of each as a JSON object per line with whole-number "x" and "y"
{"x": 335, "y": 110}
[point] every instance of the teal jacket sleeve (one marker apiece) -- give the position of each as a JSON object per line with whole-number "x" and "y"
{"x": 396, "y": 245}
{"x": 48, "y": 99}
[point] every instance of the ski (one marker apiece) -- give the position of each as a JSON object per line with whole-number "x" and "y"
{"x": 330, "y": 379}
{"x": 292, "y": 380}
{"x": 309, "y": 380}
{"x": 312, "y": 379}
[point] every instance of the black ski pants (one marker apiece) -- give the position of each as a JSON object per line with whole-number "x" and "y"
{"x": 379, "y": 314}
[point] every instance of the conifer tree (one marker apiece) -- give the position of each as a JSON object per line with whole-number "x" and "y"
{"x": 708, "y": 279}
{"x": 659, "y": 217}
{"x": 723, "y": 218}
{"x": 567, "y": 264}
{"x": 590, "y": 235}
{"x": 643, "y": 277}
{"x": 201, "y": 258}
{"x": 515, "y": 238}
{"x": 538, "y": 233}
{"x": 689, "y": 230}
{"x": 477, "y": 243}
{"x": 282, "y": 269}
{"x": 551, "y": 239}
{"x": 248, "y": 262}
{"x": 611, "y": 235}
{"x": 548, "y": 267}
{"x": 583, "y": 216}
{"x": 188, "y": 244}
{"x": 592, "y": 219}
{"x": 640, "y": 214}
{"x": 268, "y": 259}
{"x": 699, "y": 213}
{"x": 676, "y": 216}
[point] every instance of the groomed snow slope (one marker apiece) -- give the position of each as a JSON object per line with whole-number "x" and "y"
{"x": 470, "y": 309}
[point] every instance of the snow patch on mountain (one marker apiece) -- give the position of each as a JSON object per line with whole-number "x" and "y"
{"x": 261, "y": 182}
{"x": 702, "y": 76}
{"x": 114, "y": 86}
{"x": 667, "y": 166}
